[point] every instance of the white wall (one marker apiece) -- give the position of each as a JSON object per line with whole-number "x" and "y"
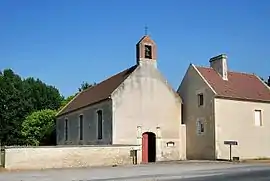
{"x": 145, "y": 99}
{"x": 63, "y": 157}
{"x": 235, "y": 121}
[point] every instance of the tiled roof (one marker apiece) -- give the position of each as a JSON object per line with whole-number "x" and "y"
{"x": 97, "y": 93}
{"x": 238, "y": 86}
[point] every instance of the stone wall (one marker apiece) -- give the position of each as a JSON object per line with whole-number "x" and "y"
{"x": 90, "y": 135}
{"x": 67, "y": 156}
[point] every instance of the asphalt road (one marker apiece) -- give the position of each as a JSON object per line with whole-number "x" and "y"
{"x": 182, "y": 171}
{"x": 242, "y": 176}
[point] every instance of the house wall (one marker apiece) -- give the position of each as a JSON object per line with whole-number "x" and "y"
{"x": 235, "y": 121}
{"x": 198, "y": 146}
{"x": 146, "y": 100}
{"x": 89, "y": 125}
{"x": 67, "y": 156}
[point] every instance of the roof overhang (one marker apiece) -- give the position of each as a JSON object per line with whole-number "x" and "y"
{"x": 74, "y": 110}
{"x": 241, "y": 99}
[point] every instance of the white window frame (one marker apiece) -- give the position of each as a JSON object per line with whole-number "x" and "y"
{"x": 258, "y": 121}
{"x": 199, "y": 123}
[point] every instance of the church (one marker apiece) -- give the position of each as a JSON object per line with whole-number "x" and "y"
{"x": 136, "y": 117}
{"x": 136, "y": 106}
{"x": 214, "y": 109}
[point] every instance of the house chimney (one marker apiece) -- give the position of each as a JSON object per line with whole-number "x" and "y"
{"x": 219, "y": 64}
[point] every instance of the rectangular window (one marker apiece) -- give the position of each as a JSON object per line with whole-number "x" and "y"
{"x": 200, "y": 127}
{"x": 258, "y": 117}
{"x": 182, "y": 114}
{"x": 66, "y": 129}
{"x": 200, "y": 99}
{"x": 148, "y": 51}
{"x": 99, "y": 121}
{"x": 81, "y": 127}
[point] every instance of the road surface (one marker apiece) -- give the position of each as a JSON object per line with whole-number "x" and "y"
{"x": 262, "y": 175}
{"x": 181, "y": 171}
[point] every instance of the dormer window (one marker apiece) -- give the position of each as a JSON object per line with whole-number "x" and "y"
{"x": 148, "y": 51}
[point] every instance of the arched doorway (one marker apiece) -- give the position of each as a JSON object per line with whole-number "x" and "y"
{"x": 148, "y": 147}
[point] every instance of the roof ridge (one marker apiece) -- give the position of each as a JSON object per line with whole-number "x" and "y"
{"x": 109, "y": 77}
{"x": 100, "y": 91}
{"x": 231, "y": 71}
{"x": 240, "y": 85}
{"x": 247, "y": 73}
{"x": 201, "y": 66}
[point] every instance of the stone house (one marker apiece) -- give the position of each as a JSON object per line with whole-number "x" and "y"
{"x": 134, "y": 107}
{"x": 221, "y": 105}
{"x": 138, "y": 107}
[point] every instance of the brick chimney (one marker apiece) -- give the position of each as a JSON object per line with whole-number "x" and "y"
{"x": 219, "y": 64}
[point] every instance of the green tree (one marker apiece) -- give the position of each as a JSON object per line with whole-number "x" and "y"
{"x": 38, "y": 128}
{"x": 267, "y": 82}
{"x": 65, "y": 101}
{"x": 85, "y": 85}
{"x": 19, "y": 98}
{"x": 12, "y": 107}
{"x": 40, "y": 95}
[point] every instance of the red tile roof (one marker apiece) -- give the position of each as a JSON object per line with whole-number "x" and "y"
{"x": 97, "y": 93}
{"x": 238, "y": 86}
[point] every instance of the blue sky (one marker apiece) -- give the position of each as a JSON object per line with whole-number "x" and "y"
{"x": 66, "y": 42}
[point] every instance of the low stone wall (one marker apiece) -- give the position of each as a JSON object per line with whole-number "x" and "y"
{"x": 67, "y": 156}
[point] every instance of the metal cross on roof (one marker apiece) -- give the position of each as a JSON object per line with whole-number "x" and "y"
{"x": 145, "y": 29}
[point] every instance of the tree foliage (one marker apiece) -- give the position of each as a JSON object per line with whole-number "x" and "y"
{"x": 12, "y": 107}
{"x": 85, "y": 85}
{"x": 41, "y": 96}
{"x": 267, "y": 82}
{"x": 66, "y": 101}
{"x": 38, "y": 127}
{"x": 19, "y": 98}
{"x": 28, "y": 108}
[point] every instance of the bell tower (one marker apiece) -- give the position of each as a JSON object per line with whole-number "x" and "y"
{"x": 146, "y": 51}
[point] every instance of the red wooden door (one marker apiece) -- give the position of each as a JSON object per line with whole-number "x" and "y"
{"x": 145, "y": 148}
